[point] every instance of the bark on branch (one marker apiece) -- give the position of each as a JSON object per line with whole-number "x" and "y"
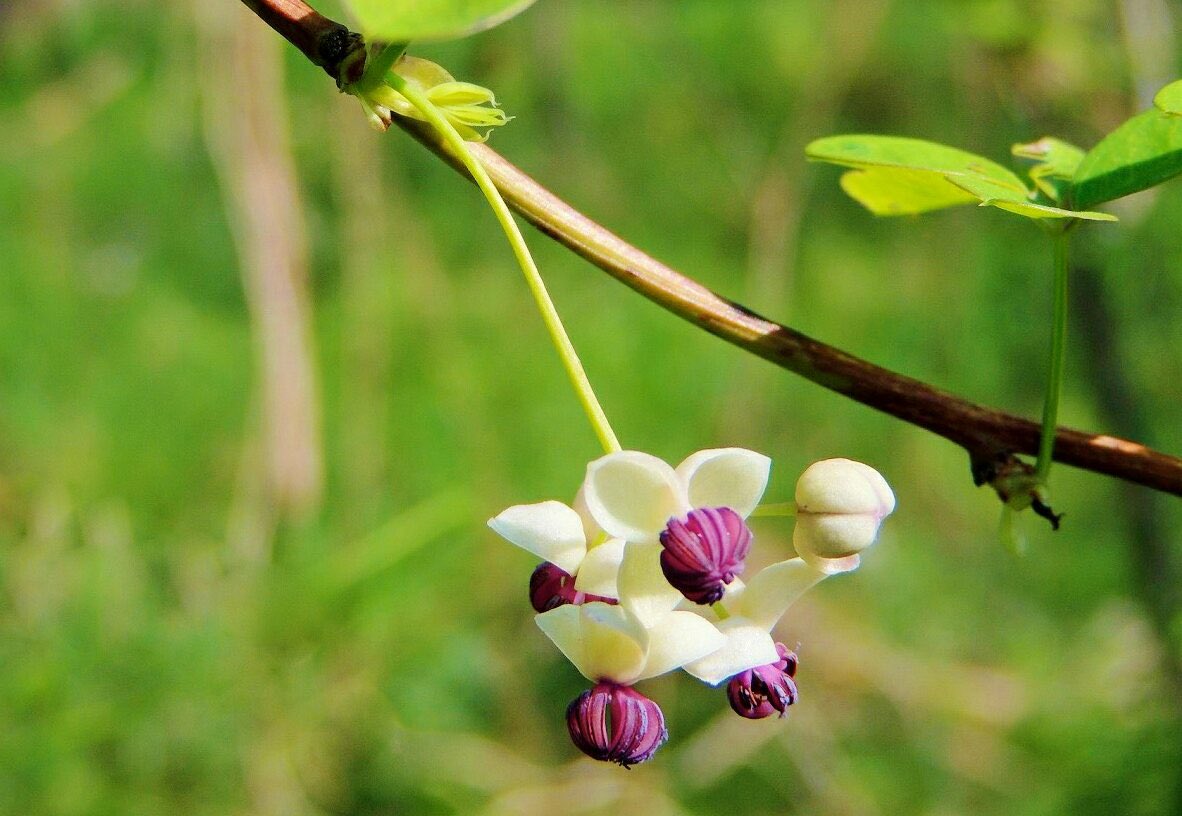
{"x": 986, "y": 434}
{"x": 325, "y": 42}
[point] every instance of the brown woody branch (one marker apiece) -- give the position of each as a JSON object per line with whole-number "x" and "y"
{"x": 988, "y": 435}
{"x": 325, "y": 42}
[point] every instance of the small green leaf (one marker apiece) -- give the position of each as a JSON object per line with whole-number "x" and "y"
{"x": 404, "y": 20}
{"x": 1169, "y": 99}
{"x": 900, "y": 191}
{"x": 893, "y": 175}
{"x": 1056, "y": 164}
{"x": 862, "y": 151}
{"x": 1032, "y": 210}
{"x": 991, "y": 194}
{"x": 1142, "y": 153}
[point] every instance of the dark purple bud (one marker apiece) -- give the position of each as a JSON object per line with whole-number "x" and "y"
{"x": 550, "y": 587}
{"x": 704, "y": 552}
{"x": 614, "y": 723}
{"x": 765, "y": 690}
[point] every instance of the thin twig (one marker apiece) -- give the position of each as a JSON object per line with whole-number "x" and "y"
{"x": 986, "y": 434}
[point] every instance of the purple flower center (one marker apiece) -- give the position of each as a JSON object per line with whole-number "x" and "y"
{"x": 703, "y": 552}
{"x": 551, "y": 587}
{"x": 614, "y": 723}
{"x": 765, "y": 690}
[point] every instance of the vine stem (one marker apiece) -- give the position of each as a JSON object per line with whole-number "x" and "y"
{"x": 982, "y": 431}
{"x": 1050, "y": 411}
{"x": 537, "y": 287}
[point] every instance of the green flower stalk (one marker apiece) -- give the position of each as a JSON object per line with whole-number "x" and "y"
{"x": 430, "y": 113}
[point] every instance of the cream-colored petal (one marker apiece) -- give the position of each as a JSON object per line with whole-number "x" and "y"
{"x": 602, "y": 641}
{"x": 726, "y": 477}
{"x": 643, "y": 589}
{"x": 833, "y": 536}
{"x": 806, "y": 538}
{"x": 632, "y": 495}
{"x": 597, "y": 574}
{"x": 773, "y": 589}
{"x": 677, "y": 639}
{"x": 590, "y": 526}
{"x": 747, "y": 646}
{"x": 834, "y": 566}
{"x": 550, "y": 530}
{"x": 733, "y": 591}
{"x": 844, "y": 486}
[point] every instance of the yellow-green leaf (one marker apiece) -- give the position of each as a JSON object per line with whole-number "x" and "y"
{"x": 991, "y": 194}
{"x": 893, "y": 175}
{"x": 902, "y": 191}
{"x": 861, "y": 151}
{"x": 1169, "y": 99}
{"x": 405, "y": 20}
{"x": 1056, "y": 163}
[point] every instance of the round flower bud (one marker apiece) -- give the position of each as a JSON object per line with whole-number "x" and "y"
{"x": 764, "y": 690}
{"x": 614, "y": 723}
{"x": 703, "y": 552}
{"x": 551, "y": 586}
{"x": 840, "y": 505}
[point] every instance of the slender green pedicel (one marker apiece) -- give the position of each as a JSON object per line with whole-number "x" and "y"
{"x": 562, "y": 342}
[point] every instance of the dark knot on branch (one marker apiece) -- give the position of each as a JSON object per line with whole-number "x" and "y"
{"x": 1015, "y": 483}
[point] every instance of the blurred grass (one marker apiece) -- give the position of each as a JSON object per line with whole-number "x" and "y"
{"x": 377, "y": 655}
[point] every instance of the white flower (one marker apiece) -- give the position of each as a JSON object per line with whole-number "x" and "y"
{"x": 633, "y": 495}
{"x": 608, "y": 643}
{"x": 556, "y": 533}
{"x": 754, "y": 610}
{"x": 604, "y": 642}
{"x": 840, "y": 505}
{"x": 628, "y": 499}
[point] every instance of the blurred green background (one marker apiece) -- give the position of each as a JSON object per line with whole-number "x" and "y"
{"x": 264, "y": 374}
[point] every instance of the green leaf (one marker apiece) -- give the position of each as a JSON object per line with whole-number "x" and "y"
{"x": 404, "y": 20}
{"x": 1142, "y": 153}
{"x": 1169, "y": 99}
{"x": 862, "y": 151}
{"x": 901, "y": 191}
{"x": 893, "y": 175}
{"x": 991, "y": 194}
{"x": 1056, "y": 163}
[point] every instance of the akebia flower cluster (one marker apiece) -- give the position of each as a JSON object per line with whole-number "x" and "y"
{"x": 642, "y": 577}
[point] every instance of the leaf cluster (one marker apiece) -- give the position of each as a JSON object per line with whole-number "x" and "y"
{"x": 892, "y": 175}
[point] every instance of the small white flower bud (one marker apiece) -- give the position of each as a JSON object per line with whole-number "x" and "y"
{"x": 840, "y": 505}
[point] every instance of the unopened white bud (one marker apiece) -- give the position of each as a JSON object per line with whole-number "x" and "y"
{"x": 840, "y": 505}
